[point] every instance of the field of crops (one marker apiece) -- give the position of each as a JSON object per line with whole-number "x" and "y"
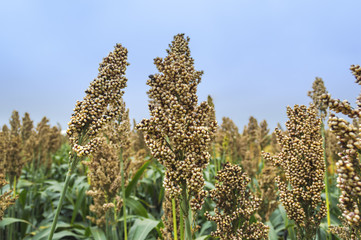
{"x": 180, "y": 174}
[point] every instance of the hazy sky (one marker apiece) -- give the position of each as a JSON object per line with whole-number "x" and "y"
{"x": 257, "y": 56}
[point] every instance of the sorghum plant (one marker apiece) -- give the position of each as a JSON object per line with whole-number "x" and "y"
{"x": 252, "y": 155}
{"x": 26, "y": 127}
{"x": 267, "y": 190}
{"x": 235, "y": 206}
{"x": 12, "y": 151}
{"x": 41, "y": 143}
{"x": 179, "y": 131}
{"x": 228, "y": 132}
{"x": 301, "y": 160}
{"x": 105, "y": 170}
{"x": 263, "y": 137}
{"x": 101, "y": 105}
{"x": 318, "y": 89}
{"x": 348, "y": 167}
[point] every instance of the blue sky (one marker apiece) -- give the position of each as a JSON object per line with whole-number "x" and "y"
{"x": 257, "y": 56}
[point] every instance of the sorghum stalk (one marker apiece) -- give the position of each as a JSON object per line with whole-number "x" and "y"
{"x": 179, "y": 131}
{"x": 123, "y": 196}
{"x": 348, "y": 167}
{"x": 301, "y": 160}
{"x": 235, "y": 206}
{"x": 101, "y": 105}
{"x": 187, "y": 217}
{"x": 181, "y": 225}
{"x": 326, "y": 175}
{"x": 174, "y": 220}
{"x": 63, "y": 191}
{"x": 318, "y": 89}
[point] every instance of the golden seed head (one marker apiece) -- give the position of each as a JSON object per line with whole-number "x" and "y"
{"x": 102, "y": 102}
{"x": 179, "y": 131}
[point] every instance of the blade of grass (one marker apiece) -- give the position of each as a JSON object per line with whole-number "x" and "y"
{"x": 133, "y": 183}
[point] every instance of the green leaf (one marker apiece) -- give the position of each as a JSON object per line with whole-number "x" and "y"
{"x": 97, "y": 233}
{"x": 203, "y": 237}
{"x": 79, "y": 199}
{"x": 209, "y": 185}
{"x": 272, "y": 233}
{"x": 22, "y": 197}
{"x": 133, "y": 183}
{"x": 23, "y": 183}
{"x": 42, "y": 234}
{"x": 65, "y": 233}
{"x": 7, "y": 221}
{"x": 121, "y": 218}
{"x": 141, "y": 228}
{"x": 136, "y": 206}
{"x": 205, "y": 226}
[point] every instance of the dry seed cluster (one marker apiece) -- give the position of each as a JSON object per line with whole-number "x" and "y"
{"x": 234, "y": 206}
{"x": 301, "y": 160}
{"x": 348, "y": 167}
{"x": 101, "y": 104}
{"x": 179, "y": 131}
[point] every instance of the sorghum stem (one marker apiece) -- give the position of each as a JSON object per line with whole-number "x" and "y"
{"x": 123, "y": 195}
{"x": 181, "y": 225}
{"x": 186, "y": 215}
{"x": 326, "y": 174}
{"x": 66, "y": 184}
{"x": 174, "y": 220}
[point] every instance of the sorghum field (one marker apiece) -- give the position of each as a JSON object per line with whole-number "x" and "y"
{"x": 180, "y": 174}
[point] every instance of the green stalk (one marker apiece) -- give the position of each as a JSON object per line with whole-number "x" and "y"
{"x": 123, "y": 194}
{"x": 66, "y": 184}
{"x": 326, "y": 174}
{"x": 114, "y": 232}
{"x": 181, "y": 225}
{"x": 186, "y": 213}
{"x": 174, "y": 220}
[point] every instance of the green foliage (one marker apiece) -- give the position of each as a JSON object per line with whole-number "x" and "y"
{"x": 39, "y": 191}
